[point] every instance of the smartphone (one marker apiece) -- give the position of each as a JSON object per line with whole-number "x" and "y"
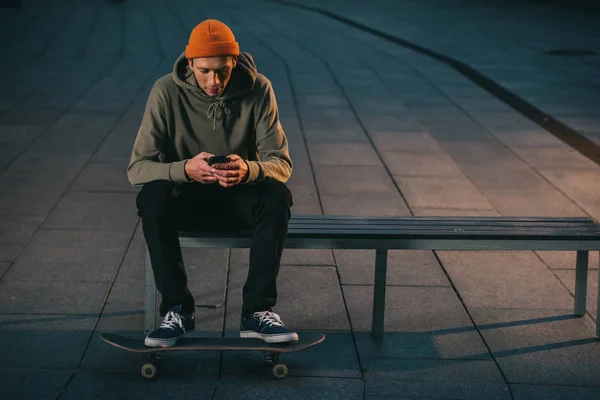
{"x": 218, "y": 160}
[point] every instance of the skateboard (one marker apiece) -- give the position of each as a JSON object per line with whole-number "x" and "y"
{"x": 271, "y": 351}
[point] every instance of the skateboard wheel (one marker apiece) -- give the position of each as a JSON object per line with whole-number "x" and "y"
{"x": 149, "y": 371}
{"x": 280, "y": 371}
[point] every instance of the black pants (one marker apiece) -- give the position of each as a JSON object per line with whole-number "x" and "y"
{"x": 166, "y": 208}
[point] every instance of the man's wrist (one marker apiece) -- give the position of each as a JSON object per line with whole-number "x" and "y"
{"x": 245, "y": 178}
{"x": 187, "y": 177}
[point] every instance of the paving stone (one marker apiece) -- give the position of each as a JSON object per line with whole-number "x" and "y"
{"x": 307, "y": 257}
{"x": 449, "y": 212}
{"x": 34, "y": 383}
{"x": 581, "y": 186}
{"x": 566, "y": 259}
{"x": 334, "y": 357}
{"x": 28, "y": 297}
{"x": 308, "y": 298}
{"x": 69, "y": 256}
{"x": 103, "y": 177}
{"x": 406, "y": 267}
{"x": 421, "y": 164}
{"x": 94, "y": 211}
{"x": 542, "y": 201}
{"x": 343, "y": 154}
{"x": 499, "y": 279}
{"x": 367, "y": 204}
{"x": 567, "y": 277}
{"x": 320, "y": 132}
{"x": 395, "y": 389}
{"x": 434, "y": 192}
{"x": 420, "y": 322}
{"x": 541, "y": 347}
{"x": 26, "y": 338}
{"x": 558, "y": 158}
{"x": 290, "y": 388}
{"x": 15, "y": 232}
{"x": 344, "y": 180}
{"x": 523, "y": 392}
{"x": 117, "y": 385}
{"x": 4, "y": 266}
{"x": 33, "y": 196}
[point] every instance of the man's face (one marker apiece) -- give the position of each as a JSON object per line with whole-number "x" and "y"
{"x": 213, "y": 73}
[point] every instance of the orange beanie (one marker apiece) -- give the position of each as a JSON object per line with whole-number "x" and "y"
{"x": 212, "y": 38}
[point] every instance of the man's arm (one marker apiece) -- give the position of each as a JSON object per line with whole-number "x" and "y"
{"x": 144, "y": 165}
{"x": 272, "y": 144}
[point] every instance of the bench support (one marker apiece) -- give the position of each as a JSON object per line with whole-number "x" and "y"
{"x": 581, "y": 276}
{"x": 379, "y": 293}
{"x": 150, "y": 309}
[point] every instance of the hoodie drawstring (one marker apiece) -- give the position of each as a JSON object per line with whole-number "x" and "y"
{"x": 212, "y": 111}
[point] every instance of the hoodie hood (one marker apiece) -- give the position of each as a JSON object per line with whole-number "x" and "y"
{"x": 243, "y": 78}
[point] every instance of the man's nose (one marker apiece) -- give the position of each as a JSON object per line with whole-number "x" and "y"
{"x": 215, "y": 78}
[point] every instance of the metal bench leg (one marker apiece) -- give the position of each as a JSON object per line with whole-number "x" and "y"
{"x": 150, "y": 310}
{"x": 581, "y": 275}
{"x": 379, "y": 293}
{"x": 598, "y": 300}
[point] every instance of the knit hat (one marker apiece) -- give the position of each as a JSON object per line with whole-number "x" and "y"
{"x": 212, "y": 38}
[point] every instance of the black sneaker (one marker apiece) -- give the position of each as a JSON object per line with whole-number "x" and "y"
{"x": 266, "y": 325}
{"x": 174, "y": 326}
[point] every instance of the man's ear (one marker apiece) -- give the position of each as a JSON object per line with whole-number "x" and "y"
{"x": 191, "y": 63}
{"x": 234, "y": 60}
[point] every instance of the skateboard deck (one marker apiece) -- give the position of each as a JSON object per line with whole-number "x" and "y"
{"x": 271, "y": 350}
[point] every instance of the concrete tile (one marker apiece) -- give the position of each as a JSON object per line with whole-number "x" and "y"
{"x": 117, "y": 385}
{"x": 333, "y": 180}
{"x": 34, "y": 383}
{"x": 33, "y": 196}
{"x": 509, "y": 173}
{"x": 339, "y": 154}
{"x": 4, "y": 265}
{"x": 419, "y": 323}
{"x": 541, "y": 201}
{"x": 524, "y": 392}
{"x": 94, "y": 211}
{"x": 26, "y": 297}
{"x": 316, "y": 132}
{"x": 68, "y": 256}
{"x": 308, "y": 298}
{"x": 582, "y": 186}
{"x": 103, "y": 177}
{"x": 290, "y": 388}
{"x": 436, "y": 390}
{"x": 421, "y": 164}
{"x": 432, "y": 370}
{"x": 449, "y": 212}
{"x": 26, "y": 338}
{"x": 497, "y": 279}
{"x": 334, "y": 357}
{"x": 410, "y": 141}
{"x": 567, "y": 277}
{"x": 434, "y": 192}
{"x": 407, "y": 267}
{"x": 15, "y": 232}
{"x": 566, "y": 259}
{"x": 540, "y": 347}
{"x": 307, "y": 257}
{"x": 365, "y": 204}
{"x": 563, "y": 157}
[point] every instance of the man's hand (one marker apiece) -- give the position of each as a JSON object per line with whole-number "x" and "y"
{"x": 231, "y": 173}
{"x": 198, "y": 169}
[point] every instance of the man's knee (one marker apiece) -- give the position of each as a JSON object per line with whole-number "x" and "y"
{"x": 154, "y": 198}
{"x": 276, "y": 194}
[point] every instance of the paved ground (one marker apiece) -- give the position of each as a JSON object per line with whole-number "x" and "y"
{"x": 374, "y": 129}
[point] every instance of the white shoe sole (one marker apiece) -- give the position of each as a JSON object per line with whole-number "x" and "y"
{"x": 275, "y": 338}
{"x": 152, "y": 342}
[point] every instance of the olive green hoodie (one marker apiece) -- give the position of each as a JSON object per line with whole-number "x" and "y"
{"x": 181, "y": 120}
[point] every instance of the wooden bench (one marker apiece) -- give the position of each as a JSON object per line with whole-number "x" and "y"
{"x": 416, "y": 233}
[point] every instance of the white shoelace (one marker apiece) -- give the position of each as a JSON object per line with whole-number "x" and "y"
{"x": 269, "y": 318}
{"x": 172, "y": 321}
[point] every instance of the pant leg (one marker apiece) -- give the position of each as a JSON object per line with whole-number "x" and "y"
{"x": 266, "y": 206}
{"x": 156, "y": 206}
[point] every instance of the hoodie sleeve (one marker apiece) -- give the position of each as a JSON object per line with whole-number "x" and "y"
{"x": 271, "y": 143}
{"x": 145, "y": 165}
